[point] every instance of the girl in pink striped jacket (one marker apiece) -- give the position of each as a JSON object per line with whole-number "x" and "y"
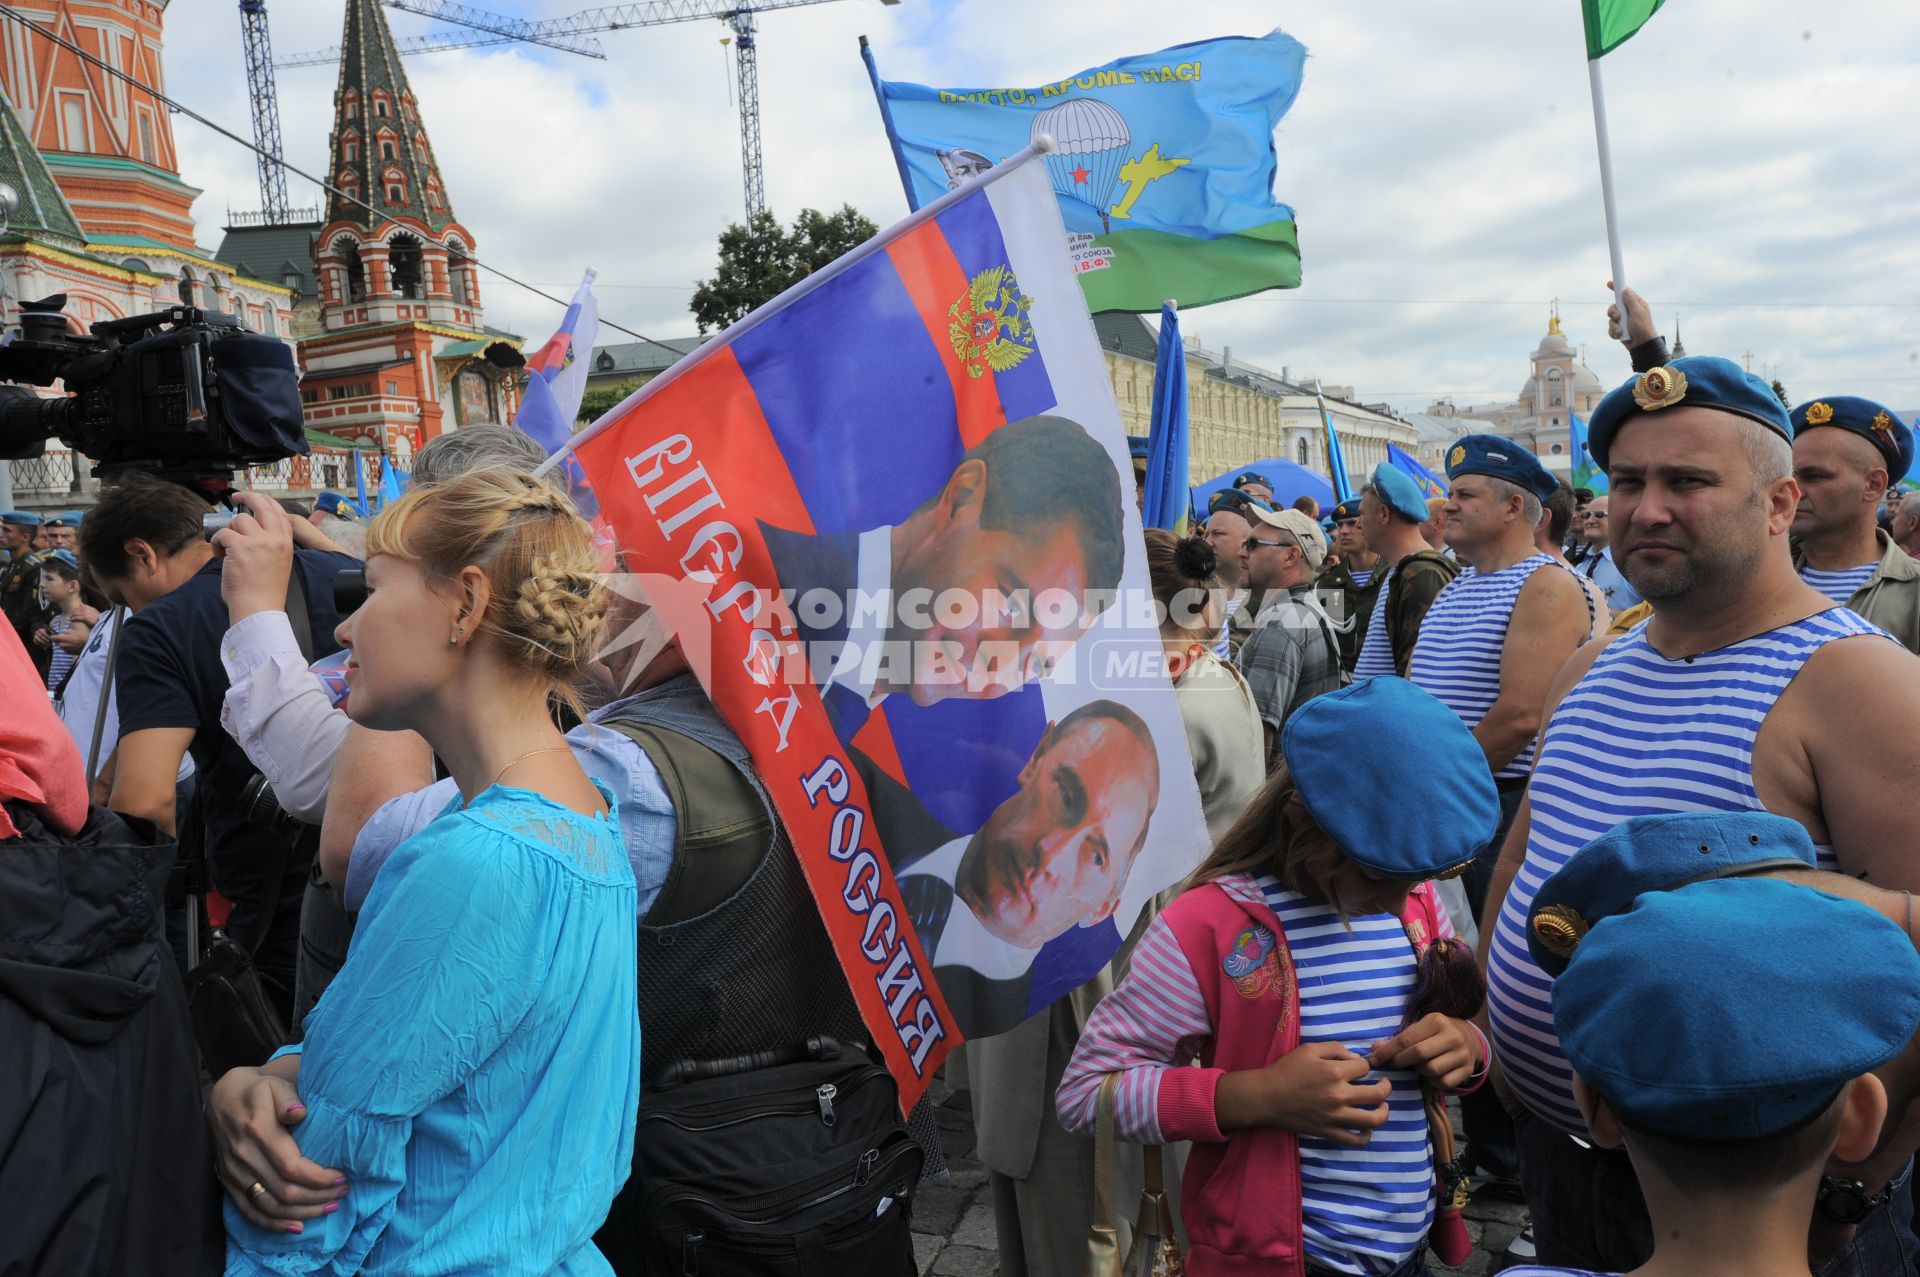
{"x": 1302, "y": 1010}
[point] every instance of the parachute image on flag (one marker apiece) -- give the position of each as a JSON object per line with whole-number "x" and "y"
{"x": 889, "y": 518}
{"x": 1164, "y": 166}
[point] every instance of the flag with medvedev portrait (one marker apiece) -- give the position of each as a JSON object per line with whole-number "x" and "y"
{"x": 889, "y": 519}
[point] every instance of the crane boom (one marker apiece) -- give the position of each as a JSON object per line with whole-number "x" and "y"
{"x": 266, "y": 109}
{"x": 488, "y": 29}
{"x": 465, "y": 15}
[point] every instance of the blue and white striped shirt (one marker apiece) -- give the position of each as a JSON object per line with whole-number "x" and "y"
{"x": 1360, "y": 578}
{"x": 1639, "y": 735}
{"x": 1457, "y": 657}
{"x": 1842, "y": 585}
{"x": 1362, "y": 1210}
{"x": 1376, "y": 650}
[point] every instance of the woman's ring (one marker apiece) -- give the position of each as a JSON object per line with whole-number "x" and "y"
{"x": 256, "y": 1191}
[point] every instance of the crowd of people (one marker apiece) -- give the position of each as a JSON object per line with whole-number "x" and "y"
{"x": 481, "y": 947}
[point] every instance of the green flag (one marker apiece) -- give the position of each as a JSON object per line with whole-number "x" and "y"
{"x": 1611, "y": 23}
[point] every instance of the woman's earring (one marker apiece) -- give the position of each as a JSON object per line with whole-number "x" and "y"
{"x": 455, "y": 638}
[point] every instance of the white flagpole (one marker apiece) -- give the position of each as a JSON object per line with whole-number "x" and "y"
{"x": 1606, "y": 189}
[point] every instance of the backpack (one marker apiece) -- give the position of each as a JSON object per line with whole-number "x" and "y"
{"x": 773, "y": 1163}
{"x": 1402, "y": 638}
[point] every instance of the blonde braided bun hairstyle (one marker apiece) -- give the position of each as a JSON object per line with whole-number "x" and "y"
{"x": 548, "y": 609}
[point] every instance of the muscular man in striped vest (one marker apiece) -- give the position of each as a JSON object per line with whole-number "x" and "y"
{"x": 1745, "y": 690}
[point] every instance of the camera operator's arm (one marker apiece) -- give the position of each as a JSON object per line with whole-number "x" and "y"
{"x": 147, "y": 763}
{"x": 275, "y": 709}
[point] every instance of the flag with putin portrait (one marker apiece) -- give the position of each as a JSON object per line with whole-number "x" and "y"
{"x": 890, "y": 519}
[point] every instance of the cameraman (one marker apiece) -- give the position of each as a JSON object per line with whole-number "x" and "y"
{"x": 144, "y": 544}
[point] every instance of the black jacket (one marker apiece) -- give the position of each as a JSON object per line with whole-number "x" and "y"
{"x": 105, "y": 1163}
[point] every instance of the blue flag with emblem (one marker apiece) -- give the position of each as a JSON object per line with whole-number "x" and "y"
{"x": 1167, "y": 503}
{"x": 1163, "y": 170}
{"x": 1585, "y": 473}
{"x": 1431, "y": 484}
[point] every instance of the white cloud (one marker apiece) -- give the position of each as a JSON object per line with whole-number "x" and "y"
{"x": 1438, "y": 154}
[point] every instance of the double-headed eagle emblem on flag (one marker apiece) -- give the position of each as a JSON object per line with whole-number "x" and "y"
{"x": 990, "y": 327}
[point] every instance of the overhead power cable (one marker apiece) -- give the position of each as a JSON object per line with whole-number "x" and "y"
{"x": 7, "y": 11}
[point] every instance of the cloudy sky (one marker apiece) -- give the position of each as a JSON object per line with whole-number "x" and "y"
{"x": 1440, "y": 159}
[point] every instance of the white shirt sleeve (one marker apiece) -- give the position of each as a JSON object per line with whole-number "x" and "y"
{"x": 279, "y": 713}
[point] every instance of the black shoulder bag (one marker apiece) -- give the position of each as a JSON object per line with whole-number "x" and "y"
{"x": 235, "y": 1021}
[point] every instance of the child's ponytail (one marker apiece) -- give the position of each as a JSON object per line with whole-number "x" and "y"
{"x": 1449, "y": 981}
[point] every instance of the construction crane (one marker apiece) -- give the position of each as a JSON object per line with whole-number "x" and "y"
{"x": 266, "y": 110}
{"x": 739, "y": 15}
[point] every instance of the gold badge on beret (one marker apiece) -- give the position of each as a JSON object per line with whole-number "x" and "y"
{"x": 1559, "y": 929}
{"x": 1819, "y": 414}
{"x": 1883, "y": 426}
{"x": 1660, "y": 388}
{"x": 1455, "y": 457}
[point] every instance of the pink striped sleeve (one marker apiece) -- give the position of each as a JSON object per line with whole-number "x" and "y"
{"x": 1146, "y": 1030}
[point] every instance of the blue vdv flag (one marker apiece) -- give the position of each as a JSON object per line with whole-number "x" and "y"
{"x": 1167, "y": 503}
{"x": 1163, "y": 168}
{"x": 1431, "y": 484}
{"x": 360, "y": 484}
{"x": 391, "y": 484}
{"x": 1585, "y": 473}
{"x": 1336, "y": 459}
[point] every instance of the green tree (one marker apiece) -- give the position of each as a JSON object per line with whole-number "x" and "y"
{"x": 595, "y": 403}
{"x": 762, "y": 259}
{"x": 1780, "y": 392}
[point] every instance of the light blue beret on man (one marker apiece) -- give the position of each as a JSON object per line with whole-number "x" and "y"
{"x": 1499, "y": 458}
{"x": 1698, "y": 381}
{"x": 1655, "y": 853}
{"x": 1872, "y": 422}
{"x": 21, "y": 518}
{"x": 1734, "y": 1010}
{"x": 1401, "y": 494}
{"x": 1346, "y": 748}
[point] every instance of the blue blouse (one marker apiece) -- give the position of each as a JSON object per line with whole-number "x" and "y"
{"x": 474, "y": 1069}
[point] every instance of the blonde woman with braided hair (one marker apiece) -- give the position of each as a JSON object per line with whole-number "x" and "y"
{"x": 471, "y": 1075}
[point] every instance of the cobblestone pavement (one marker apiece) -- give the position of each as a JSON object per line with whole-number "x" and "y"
{"x": 953, "y": 1221}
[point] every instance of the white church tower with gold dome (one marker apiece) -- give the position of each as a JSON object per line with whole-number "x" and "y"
{"x": 1559, "y": 383}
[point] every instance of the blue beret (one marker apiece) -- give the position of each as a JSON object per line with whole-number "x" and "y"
{"x": 1397, "y": 488}
{"x": 1138, "y": 448}
{"x": 1254, "y": 477}
{"x": 63, "y": 556}
{"x": 1698, "y": 381}
{"x": 335, "y": 504}
{"x": 1346, "y": 749}
{"x": 1877, "y": 425}
{"x": 1732, "y": 1011}
{"x": 1348, "y": 509}
{"x": 20, "y": 519}
{"x": 1654, "y": 853}
{"x": 1499, "y": 458}
{"x": 1237, "y": 501}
